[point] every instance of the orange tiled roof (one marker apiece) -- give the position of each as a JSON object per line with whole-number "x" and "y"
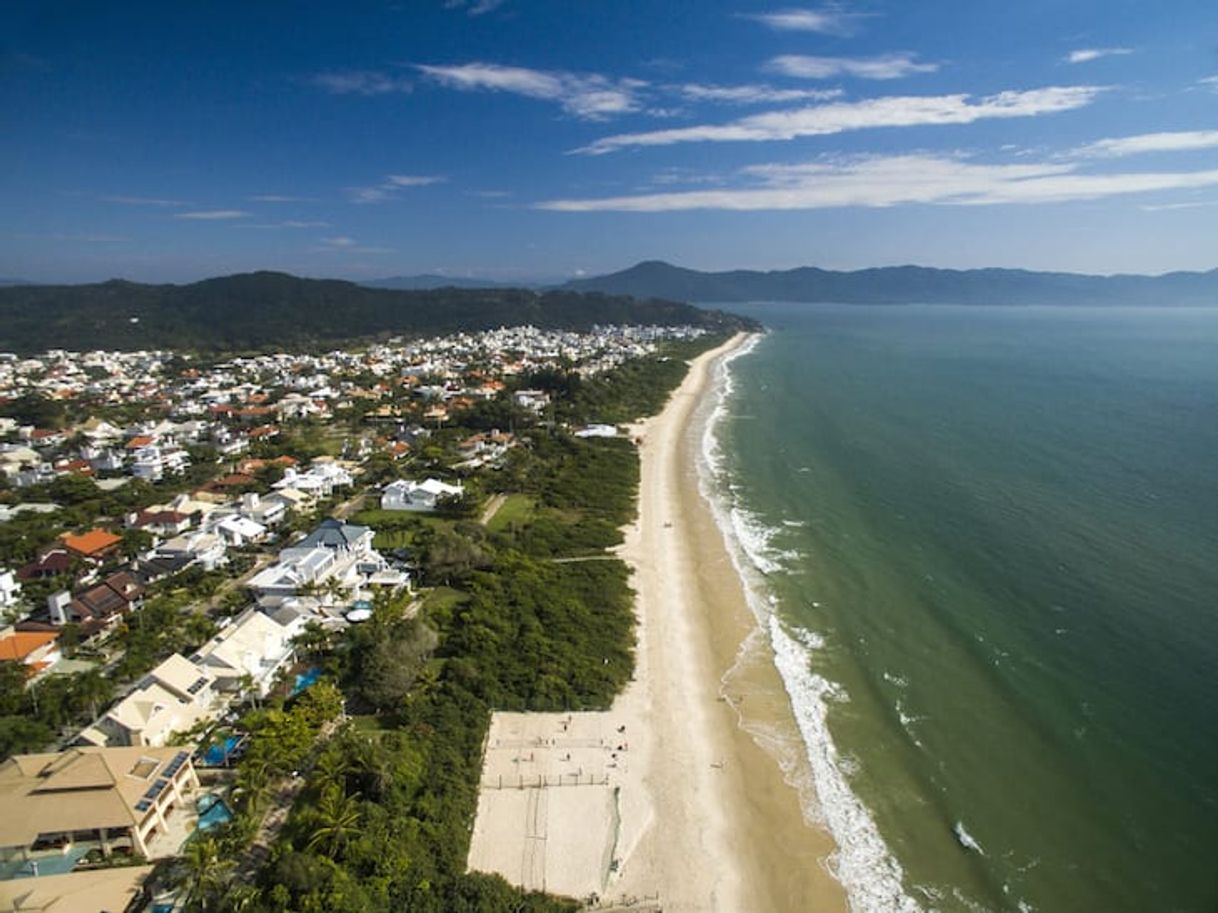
{"x": 140, "y": 440}
{"x": 92, "y": 542}
{"x": 20, "y": 644}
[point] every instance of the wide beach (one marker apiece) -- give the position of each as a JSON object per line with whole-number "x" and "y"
{"x": 692, "y": 814}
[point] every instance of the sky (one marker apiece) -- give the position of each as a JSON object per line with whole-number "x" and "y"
{"x": 541, "y": 139}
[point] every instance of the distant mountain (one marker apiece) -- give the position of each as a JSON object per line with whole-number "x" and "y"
{"x": 433, "y": 281}
{"x": 905, "y": 285}
{"x": 14, "y": 282}
{"x": 272, "y": 311}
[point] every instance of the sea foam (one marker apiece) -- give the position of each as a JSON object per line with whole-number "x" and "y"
{"x": 868, "y": 871}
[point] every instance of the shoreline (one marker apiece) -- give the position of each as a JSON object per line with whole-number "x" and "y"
{"x": 719, "y": 821}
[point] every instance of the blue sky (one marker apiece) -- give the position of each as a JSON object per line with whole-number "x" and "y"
{"x": 550, "y": 138}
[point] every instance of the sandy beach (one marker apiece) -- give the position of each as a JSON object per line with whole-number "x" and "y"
{"x": 667, "y": 800}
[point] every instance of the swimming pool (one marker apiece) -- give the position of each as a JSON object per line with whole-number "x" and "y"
{"x": 212, "y": 812}
{"x": 217, "y": 754}
{"x": 305, "y": 679}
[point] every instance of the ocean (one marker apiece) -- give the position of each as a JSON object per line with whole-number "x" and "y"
{"x": 985, "y": 544}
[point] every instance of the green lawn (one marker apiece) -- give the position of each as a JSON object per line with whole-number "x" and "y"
{"x": 517, "y": 509}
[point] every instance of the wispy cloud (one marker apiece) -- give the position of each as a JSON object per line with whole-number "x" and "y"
{"x": 344, "y": 244}
{"x": 474, "y": 7}
{"x": 278, "y": 198}
{"x": 1183, "y": 141}
{"x": 391, "y": 186}
{"x": 1209, "y": 82}
{"x": 826, "y": 21}
{"x": 213, "y": 215}
{"x": 361, "y": 82}
{"x": 588, "y": 96}
{"x": 1086, "y": 55}
{"x": 885, "y": 66}
{"x": 752, "y": 94}
{"x": 141, "y": 201}
{"x": 1168, "y": 207}
{"x": 292, "y": 223}
{"x": 87, "y": 237}
{"x": 883, "y": 181}
{"x": 839, "y": 117}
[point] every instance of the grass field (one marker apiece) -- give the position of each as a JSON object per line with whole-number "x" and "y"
{"x": 516, "y": 509}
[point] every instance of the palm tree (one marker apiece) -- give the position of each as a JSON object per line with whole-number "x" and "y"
{"x": 246, "y": 687}
{"x": 93, "y": 690}
{"x": 330, "y": 771}
{"x": 204, "y": 875}
{"x": 337, "y": 818}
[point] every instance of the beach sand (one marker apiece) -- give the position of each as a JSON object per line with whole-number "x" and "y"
{"x": 668, "y": 797}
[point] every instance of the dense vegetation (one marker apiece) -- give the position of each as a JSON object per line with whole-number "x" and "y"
{"x": 274, "y": 310}
{"x": 384, "y": 818}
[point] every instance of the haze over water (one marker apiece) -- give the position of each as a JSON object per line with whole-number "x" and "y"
{"x": 1003, "y": 524}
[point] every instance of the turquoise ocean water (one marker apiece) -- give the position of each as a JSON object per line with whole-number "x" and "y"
{"x": 989, "y": 538}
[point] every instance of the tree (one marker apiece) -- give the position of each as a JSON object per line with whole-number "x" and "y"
{"x": 337, "y": 821}
{"x": 19, "y": 735}
{"x": 392, "y": 664}
{"x": 135, "y": 542}
{"x": 92, "y": 690}
{"x": 203, "y": 875}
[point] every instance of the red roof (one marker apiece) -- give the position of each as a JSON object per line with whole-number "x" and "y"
{"x": 94, "y": 542}
{"x": 20, "y": 644}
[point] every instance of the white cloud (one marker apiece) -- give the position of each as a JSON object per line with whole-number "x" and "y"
{"x": 392, "y": 184}
{"x": 1086, "y": 55}
{"x": 1209, "y": 82}
{"x": 839, "y": 117}
{"x": 141, "y": 201}
{"x": 277, "y": 198}
{"x": 474, "y": 7}
{"x": 586, "y": 96}
{"x": 885, "y": 66}
{"x": 1166, "y": 207}
{"x": 752, "y": 94}
{"x": 212, "y": 215}
{"x": 883, "y": 181}
{"x": 825, "y": 21}
{"x": 344, "y": 244}
{"x": 361, "y": 82}
{"x": 293, "y": 223}
{"x": 1183, "y": 141}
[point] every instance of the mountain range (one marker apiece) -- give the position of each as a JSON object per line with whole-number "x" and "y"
{"x": 276, "y": 311}
{"x": 905, "y": 285}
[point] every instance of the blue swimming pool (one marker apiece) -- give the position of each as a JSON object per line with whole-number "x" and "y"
{"x": 305, "y": 679}
{"x": 44, "y": 864}
{"x": 218, "y": 753}
{"x": 212, "y": 812}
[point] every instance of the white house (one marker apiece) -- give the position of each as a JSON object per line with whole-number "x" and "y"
{"x": 206, "y": 549}
{"x": 254, "y": 645}
{"x": 422, "y": 496}
{"x": 337, "y": 556}
{"x": 173, "y": 697}
{"x": 597, "y": 431}
{"x": 238, "y": 531}
{"x": 10, "y": 589}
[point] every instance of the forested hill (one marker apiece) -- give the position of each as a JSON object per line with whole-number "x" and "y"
{"x": 265, "y": 310}
{"x": 907, "y": 285}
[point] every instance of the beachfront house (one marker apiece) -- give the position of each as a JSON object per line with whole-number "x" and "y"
{"x": 174, "y": 697}
{"x": 253, "y": 645}
{"x": 417, "y": 496}
{"x": 109, "y": 798}
{"x": 333, "y": 562}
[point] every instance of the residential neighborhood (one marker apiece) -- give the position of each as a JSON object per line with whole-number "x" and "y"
{"x": 180, "y": 537}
